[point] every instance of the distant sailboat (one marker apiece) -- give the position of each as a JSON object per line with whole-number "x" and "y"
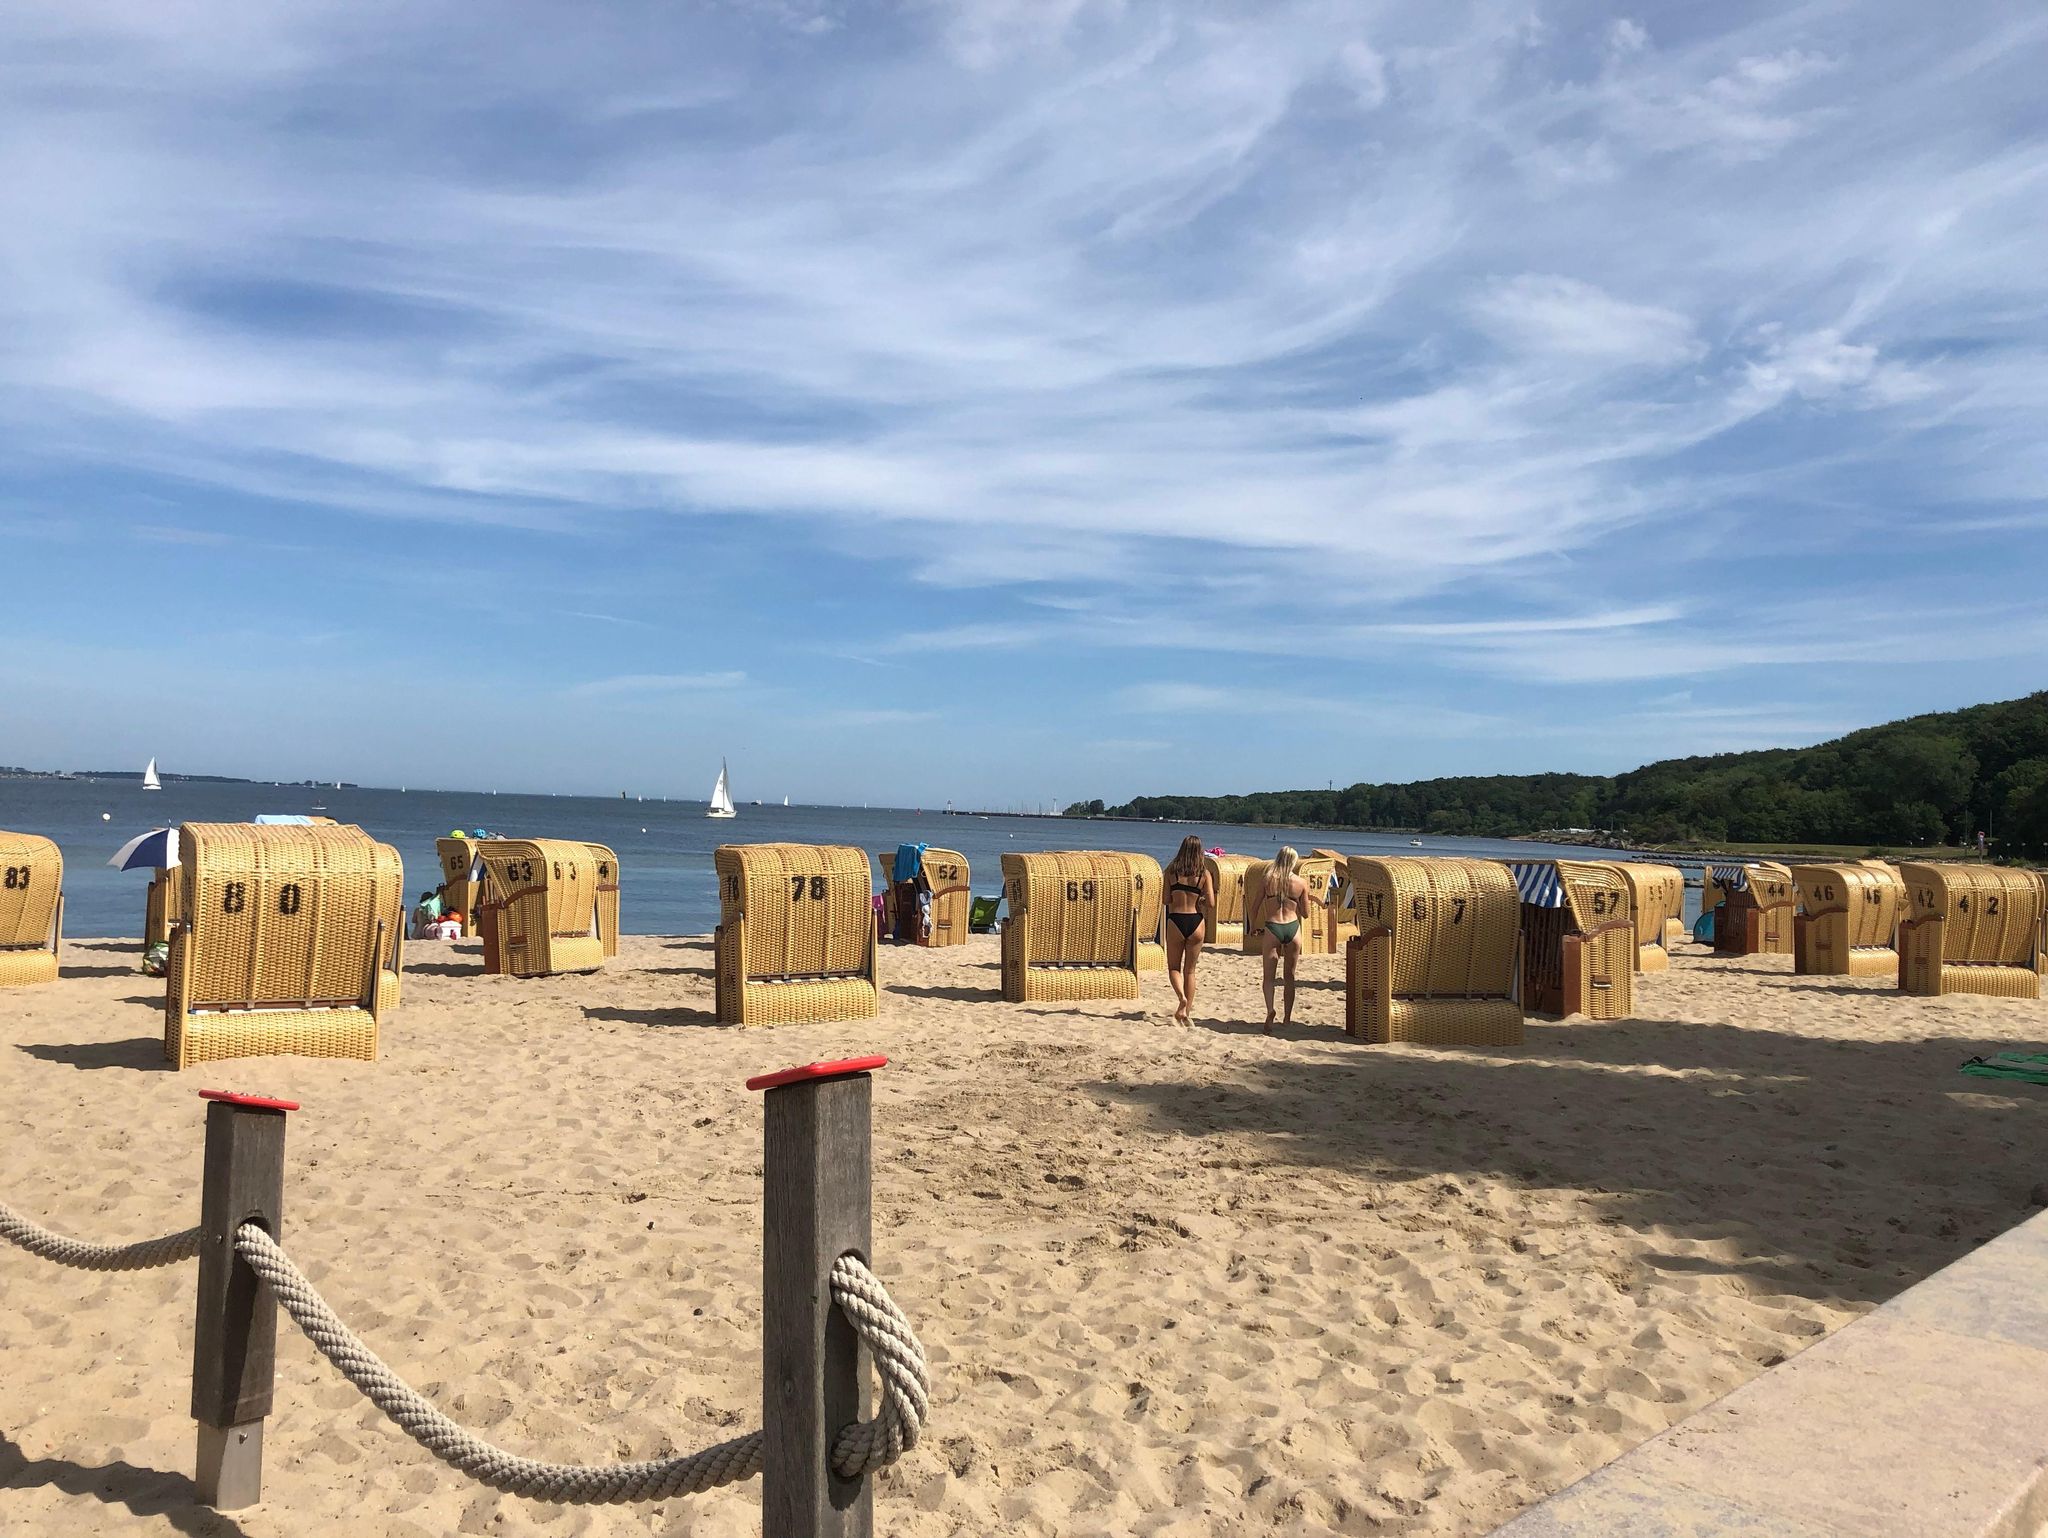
{"x": 721, "y": 796}
{"x": 785, "y": 801}
{"x": 149, "y": 779}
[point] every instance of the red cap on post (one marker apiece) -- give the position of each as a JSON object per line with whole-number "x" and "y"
{"x": 261, "y": 1102}
{"x": 844, "y": 1067}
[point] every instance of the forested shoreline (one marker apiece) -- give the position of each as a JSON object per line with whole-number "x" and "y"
{"x": 1929, "y": 779}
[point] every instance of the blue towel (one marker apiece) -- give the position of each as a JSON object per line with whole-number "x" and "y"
{"x": 909, "y": 861}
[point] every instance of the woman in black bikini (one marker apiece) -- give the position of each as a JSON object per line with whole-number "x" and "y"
{"x": 1190, "y": 898}
{"x": 1286, "y": 897}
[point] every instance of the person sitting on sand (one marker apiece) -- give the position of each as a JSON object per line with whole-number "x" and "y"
{"x": 1190, "y": 898}
{"x": 1286, "y": 898}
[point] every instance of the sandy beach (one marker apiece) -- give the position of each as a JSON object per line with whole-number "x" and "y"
{"x": 1173, "y": 1281}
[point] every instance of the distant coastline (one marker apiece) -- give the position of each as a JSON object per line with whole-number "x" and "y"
{"x": 11, "y": 772}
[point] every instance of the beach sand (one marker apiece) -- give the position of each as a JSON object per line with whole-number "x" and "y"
{"x": 1173, "y": 1281}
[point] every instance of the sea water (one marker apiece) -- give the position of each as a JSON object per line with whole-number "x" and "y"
{"x": 664, "y": 847}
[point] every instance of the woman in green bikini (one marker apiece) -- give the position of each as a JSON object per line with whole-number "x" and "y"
{"x": 1287, "y": 897}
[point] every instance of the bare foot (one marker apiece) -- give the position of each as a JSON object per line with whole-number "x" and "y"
{"x": 1268, "y": 1026}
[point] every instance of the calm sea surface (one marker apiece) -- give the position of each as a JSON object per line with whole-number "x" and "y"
{"x": 664, "y": 847}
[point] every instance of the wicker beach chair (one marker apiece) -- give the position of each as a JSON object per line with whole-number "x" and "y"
{"x": 462, "y": 882}
{"x": 1342, "y": 898}
{"x": 547, "y": 905}
{"x": 1317, "y": 920}
{"x": 1757, "y": 905}
{"x": 1578, "y": 938}
{"x": 31, "y": 908}
{"x": 1225, "y": 924}
{"x": 1656, "y": 897}
{"x": 1148, "y": 887}
{"x": 160, "y": 906}
{"x": 288, "y": 940}
{"x": 946, "y": 871}
{"x": 1433, "y": 961}
{"x": 1848, "y": 921}
{"x": 796, "y": 934}
{"x": 1972, "y": 929}
{"x": 1072, "y": 932}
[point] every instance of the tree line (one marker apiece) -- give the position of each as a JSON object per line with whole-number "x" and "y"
{"x": 1931, "y": 779}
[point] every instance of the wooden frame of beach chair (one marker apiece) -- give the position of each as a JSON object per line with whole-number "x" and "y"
{"x": 547, "y": 905}
{"x": 1434, "y": 959}
{"x": 31, "y": 909}
{"x": 1578, "y": 938}
{"x": 1848, "y": 921}
{"x": 948, "y": 873}
{"x": 458, "y": 888}
{"x": 1971, "y": 929}
{"x": 160, "y": 906}
{"x": 1656, "y": 895}
{"x": 1317, "y": 920}
{"x": 1343, "y": 901}
{"x": 1755, "y": 917}
{"x": 1072, "y": 932}
{"x": 288, "y": 940}
{"x": 1225, "y": 923}
{"x": 796, "y": 937}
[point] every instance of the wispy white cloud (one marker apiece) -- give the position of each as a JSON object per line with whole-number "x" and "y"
{"x": 632, "y": 685}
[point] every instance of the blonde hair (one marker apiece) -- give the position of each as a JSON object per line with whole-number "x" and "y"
{"x": 1283, "y": 865}
{"x": 1191, "y": 859}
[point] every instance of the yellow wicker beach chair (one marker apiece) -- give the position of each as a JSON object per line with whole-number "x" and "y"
{"x": 1148, "y": 887}
{"x": 160, "y": 906}
{"x": 1578, "y": 938}
{"x": 288, "y": 940}
{"x": 1343, "y": 900}
{"x": 1971, "y": 929}
{"x": 1225, "y": 925}
{"x": 1072, "y": 932}
{"x": 946, "y": 871}
{"x": 1757, "y": 905}
{"x": 1849, "y": 920}
{"x": 1434, "y": 959}
{"x": 547, "y": 905}
{"x": 31, "y": 908}
{"x": 796, "y": 934}
{"x": 1317, "y": 920}
{"x": 461, "y": 881}
{"x": 1656, "y": 897}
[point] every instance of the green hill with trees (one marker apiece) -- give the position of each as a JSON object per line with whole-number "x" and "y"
{"x": 1928, "y": 780}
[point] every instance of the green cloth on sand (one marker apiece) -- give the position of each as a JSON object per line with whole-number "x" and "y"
{"x": 2023, "y": 1067}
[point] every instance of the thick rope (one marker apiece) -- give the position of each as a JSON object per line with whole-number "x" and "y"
{"x": 143, "y": 1256}
{"x": 867, "y": 1445}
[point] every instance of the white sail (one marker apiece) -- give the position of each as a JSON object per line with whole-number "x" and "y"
{"x": 785, "y": 801}
{"x": 721, "y": 795}
{"x": 149, "y": 779}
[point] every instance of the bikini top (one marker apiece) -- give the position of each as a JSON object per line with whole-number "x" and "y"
{"x": 1182, "y": 886}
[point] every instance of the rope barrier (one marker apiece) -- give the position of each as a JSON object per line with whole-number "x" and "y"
{"x": 859, "y": 1448}
{"x": 146, "y": 1255}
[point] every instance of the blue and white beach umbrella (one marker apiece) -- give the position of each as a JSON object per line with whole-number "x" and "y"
{"x": 155, "y": 850}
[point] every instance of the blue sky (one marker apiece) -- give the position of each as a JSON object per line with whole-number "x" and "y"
{"x": 1011, "y": 400}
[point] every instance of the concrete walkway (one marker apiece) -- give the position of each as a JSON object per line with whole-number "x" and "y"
{"x": 1927, "y": 1418}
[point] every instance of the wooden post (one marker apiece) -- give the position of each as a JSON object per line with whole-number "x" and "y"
{"x": 234, "y": 1341}
{"x": 814, "y": 1372}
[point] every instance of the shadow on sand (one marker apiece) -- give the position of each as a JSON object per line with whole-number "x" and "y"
{"x": 1846, "y": 1169}
{"x": 145, "y": 1492}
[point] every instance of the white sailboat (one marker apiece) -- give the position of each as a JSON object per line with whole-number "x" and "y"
{"x": 149, "y": 779}
{"x": 721, "y": 796}
{"x": 785, "y": 801}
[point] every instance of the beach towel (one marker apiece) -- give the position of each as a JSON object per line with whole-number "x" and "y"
{"x": 2019, "y": 1067}
{"x": 909, "y": 860}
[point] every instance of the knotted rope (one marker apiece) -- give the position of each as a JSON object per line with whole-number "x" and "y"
{"x": 143, "y": 1256}
{"x": 861, "y": 1447}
